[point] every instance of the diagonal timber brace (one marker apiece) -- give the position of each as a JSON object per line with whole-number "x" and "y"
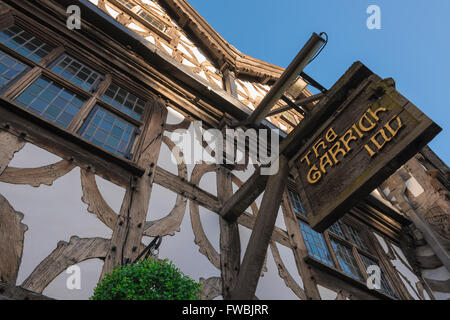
{"x": 274, "y": 186}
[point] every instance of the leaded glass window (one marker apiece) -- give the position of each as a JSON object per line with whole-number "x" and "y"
{"x": 109, "y": 131}
{"x": 147, "y": 17}
{"x": 336, "y": 229}
{"x": 77, "y": 73}
{"x": 315, "y": 243}
{"x": 346, "y": 259}
{"x": 24, "y": 43}
{"x": 51, "y": 101}
{"x": 385, "y": 287}
{"x": 124, "y": 101}
{"x": 296, "y": 203}
{"x": 127, "y": 3}
{"x": 356, "y": 237}
{"x": 10, "y": 68}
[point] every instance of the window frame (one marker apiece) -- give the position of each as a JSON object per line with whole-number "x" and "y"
{"x": 62, "y": 47}
{"x": 328, "y": 236}
{"x": 134, "y": 14}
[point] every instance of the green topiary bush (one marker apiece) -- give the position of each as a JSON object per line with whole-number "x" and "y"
{"x": 147, "y": 280}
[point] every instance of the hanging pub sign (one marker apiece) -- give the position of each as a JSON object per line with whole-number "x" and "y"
{"x": 373, "y": 133}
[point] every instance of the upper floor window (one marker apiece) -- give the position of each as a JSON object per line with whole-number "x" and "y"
{"x": 109, "y": 131}
{"x": 343, "y": 246}
{"x": 127, "y": 3}
{"x": 24, "y": 43}
{"x": 124, "y": 101}
{"x": 315, "y": 244}
{"x": 385, "y": 287}
{"x": 354, "y": 235}
{"x": 346, "y": 259}
{"x": 10, "y": 68}
{"x": 296, "y": 202}
{"x": 113, "y": 113}
{"x": 51, "y": 101}
{"x": 77, "y": 72}
{"x": 153, "y": 21}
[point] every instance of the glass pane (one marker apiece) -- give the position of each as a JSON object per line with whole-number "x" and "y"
{"x": 355, "y": 237}
{"x": 24, "y": 43}
{"x": 346, "y": 259}
{"x": 10, "y": 68}
{"x": 296, "y": 203}
{"x": 51, "y": 101}
{"x": 77, "y": 72}
{"x": 315, "y": 243}
{"x": 127, "y": 3}
{"x": 385, "y": 287}
{"x": 147, "y": 17}
{"x": 124, "y": 101}
{"x": 108, "y": 131}
{"x": 336, "y": 229}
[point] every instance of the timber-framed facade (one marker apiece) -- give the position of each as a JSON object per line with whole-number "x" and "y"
{"x": 102, "y": 99}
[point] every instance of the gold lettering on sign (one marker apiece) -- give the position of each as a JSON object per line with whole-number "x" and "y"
{"x": 346, "y": 138}
{"x": 332, "y": 148}
{"x": 331, "y": 135}
{"x": 335, "y": 150}
{"x": 314, "y": 175}
{"x": 318, "y": 144}
{"x": 382, "y": 133}
{"x": 368, "y": 121}
{"x": 306, "y": 158}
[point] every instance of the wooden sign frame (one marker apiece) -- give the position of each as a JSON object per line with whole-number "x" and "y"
{"x": 374, "y": 132}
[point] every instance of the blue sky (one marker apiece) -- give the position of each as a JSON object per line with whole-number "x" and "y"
{"x": 413, "y": 46}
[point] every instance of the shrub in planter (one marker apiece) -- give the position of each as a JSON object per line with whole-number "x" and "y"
{"x": 147, "y": 280}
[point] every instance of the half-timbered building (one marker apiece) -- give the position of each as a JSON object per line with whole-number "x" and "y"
{"x": 90, "y": 173}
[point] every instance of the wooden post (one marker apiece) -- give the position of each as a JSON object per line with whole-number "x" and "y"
{"x": 127, "y": 234}
{"x": 230, "y": 243}
{"x": 262, "y": 231}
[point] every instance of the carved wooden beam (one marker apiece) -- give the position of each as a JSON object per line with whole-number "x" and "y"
{"x": 65, "y": 255}
{"x": 95, "y": 201}
{"x": 37, "y": 176}
{"x": 172, "y": 222}
{"x": 9, "y": 144}
{"x": 11, "y": 241}
{"x": 284, "y": 273}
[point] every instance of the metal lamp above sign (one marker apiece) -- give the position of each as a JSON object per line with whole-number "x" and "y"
{"x": 373, "y": 133}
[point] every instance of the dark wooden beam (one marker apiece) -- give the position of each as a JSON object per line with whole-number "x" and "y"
{"x": 230, "y": 243}
{"x": 286, "y": 80}
{"x": 244, "y": 197}
{"x": 262, "y": 231}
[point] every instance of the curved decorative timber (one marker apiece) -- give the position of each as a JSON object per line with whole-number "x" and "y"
{"x": 65, "y": 255}
{"x": 201, "y": 239}
{"x": 94, "y": 199}
{"x": 182, "y": 125}
{"x": 211, "y": 288}
{"x": 37, "y": 176}
{"x": 9, "y": 145}
{"x": 170, "y": 223}
{"x": 284, "y": 273}
{"x": 11, "y": 241}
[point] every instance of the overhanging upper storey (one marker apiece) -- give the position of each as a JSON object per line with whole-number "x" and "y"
{"x": 176, "y": 30}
